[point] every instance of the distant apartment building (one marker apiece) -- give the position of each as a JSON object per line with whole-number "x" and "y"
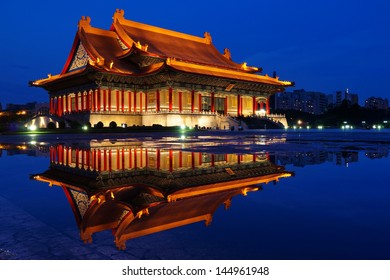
{"x": 300, "y": 100}
{"x": 351, "y": 98}
{"x": 339, "y": 97}
{"x": 376, "y": 103}
{"x": 32, "y": 108}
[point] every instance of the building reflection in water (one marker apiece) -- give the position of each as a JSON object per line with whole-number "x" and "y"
{"x": 136, "y": 191}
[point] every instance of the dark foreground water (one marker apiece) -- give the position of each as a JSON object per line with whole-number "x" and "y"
{"x": 258, "y": 195}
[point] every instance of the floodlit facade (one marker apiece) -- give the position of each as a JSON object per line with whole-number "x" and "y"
{"x": 138, "y": 74}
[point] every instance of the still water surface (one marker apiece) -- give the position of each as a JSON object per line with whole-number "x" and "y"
{"x": 255, "y": 195}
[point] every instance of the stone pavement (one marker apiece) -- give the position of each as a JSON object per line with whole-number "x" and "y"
{"x": 24, "y": 237}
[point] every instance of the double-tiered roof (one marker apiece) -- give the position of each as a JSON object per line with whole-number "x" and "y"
{"x": 136, "y": 53}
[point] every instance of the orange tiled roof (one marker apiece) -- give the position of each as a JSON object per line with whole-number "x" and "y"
{"x": 120, "y": 49}
{"x": 171, "y": 44}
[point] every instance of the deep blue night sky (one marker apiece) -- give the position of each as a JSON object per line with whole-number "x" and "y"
{"x": 323, "y": 46}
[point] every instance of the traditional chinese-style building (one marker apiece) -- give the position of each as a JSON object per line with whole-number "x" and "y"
{"x": 135, "y": 191}
{"x": 138, "y": 74}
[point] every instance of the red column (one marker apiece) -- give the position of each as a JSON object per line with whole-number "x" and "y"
{"x": 135, "y": 101}
{"x": 105, "y": 160}
{"x": 117, "y": 100}
{"x": 200, "y": 103}
{"x": 180, "y": 101}
{"x": 130, "y": 158}
{"x": 180, "y": 159}
{"x": 192, "y": 160}
{"x": 82, "y": 101}
{"x": 82, "y": 159}
{"x": 146, "y": 158}
{"x": 261, "y": 105}
{"x": 87, "y": 104}
{"x": 76, "y": 102}
{"x": 60, "y": 155}
{"x": 129, "y": 99}
{"x": 60, "y": 105}
{"x": 158, "y": 156}
{"x": 87, "y": 158}
{"x": 123, "y": 100}
{"x": 66, "y": 156}
{"x": 93, "y": 95}
{"x": 99, "y": 160}
{"x": 241, "y": 106}
{"x": 238, "y": 105}
{"x": 94, "y": 160}
{"x": 67, "y": 103}
{"x": 170, "y": 161}
{"x": 109, "y": 160}
{"x": 157, "y": 100}
{"x": 192, "y": 100}
{"x": 117, "y": 160}
{"x": 140, "y": 101}
{"x": 200, "y": 158}
{"x": 123, "y": 159}
{"x": 77, "y": 158}
{"x": 104, "y": 97}
{"x": 254, "y": 105}
{"x": 212, "y": 160}
{"x": 109, "y": 99}
{"x": 225, "y": 109}
{"x": 55, "y": 105}
{"x": 267, "y": 106}
{"x": 146, "y": 101}
{"x": 135, "y": 158}
{"x": 99, "y": 97}
{"x": 170, "y": 99}
{"x": 141, "y": 162}
{"x": 212, "y": 103}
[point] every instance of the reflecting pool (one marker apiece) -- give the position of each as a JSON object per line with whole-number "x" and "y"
{"x": 236, "y": 195}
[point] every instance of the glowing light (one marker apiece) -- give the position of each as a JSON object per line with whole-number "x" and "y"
{"x": 183, "y": 137}
{"x": 182, "y": 127}
{"x": 299, "y": 122}
{"x": 85, "y": 127}
{"x": 320, "y": 127}
{"x": 32, "y": 127}
{"x": 33, "y": 142}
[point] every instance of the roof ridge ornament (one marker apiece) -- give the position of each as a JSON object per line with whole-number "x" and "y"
{"x": 227, "y": 54}
{"x": 119, "y": 14}
{"x": 208, "y": 38}
{"x": 85, "y": 21}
